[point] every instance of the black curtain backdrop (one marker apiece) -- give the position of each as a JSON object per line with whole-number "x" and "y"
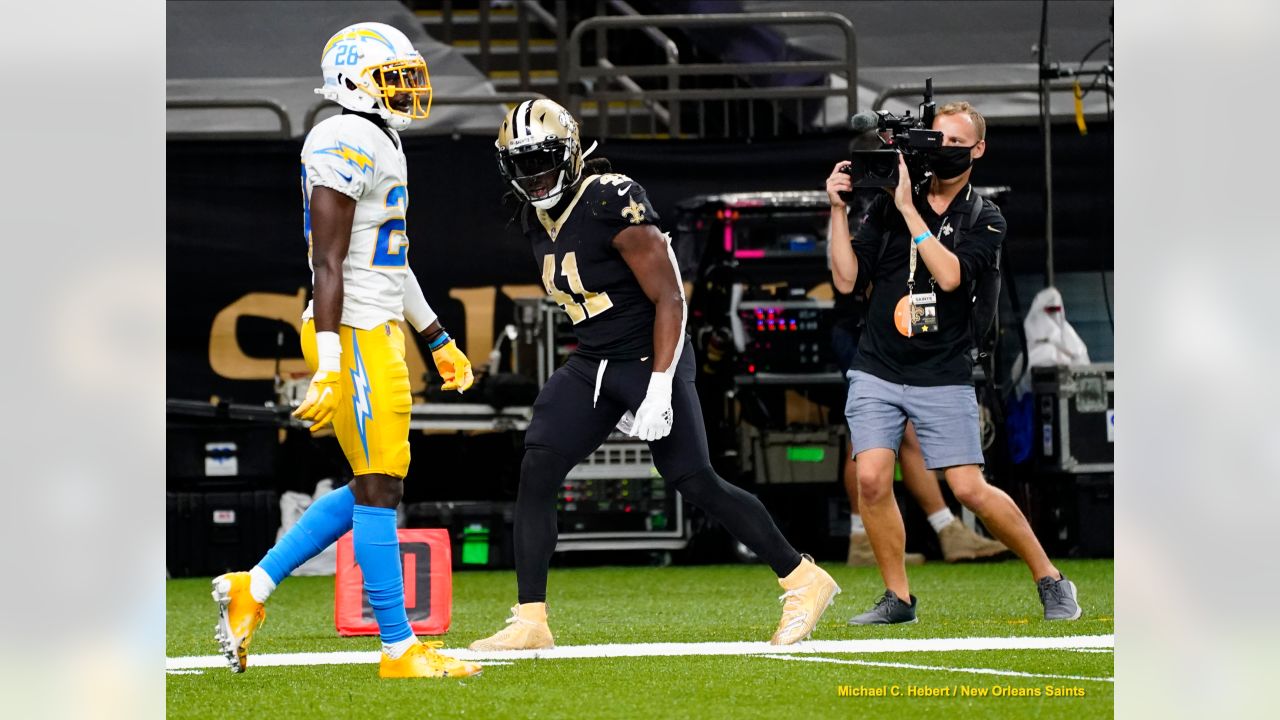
{"x": 235, "y": 222}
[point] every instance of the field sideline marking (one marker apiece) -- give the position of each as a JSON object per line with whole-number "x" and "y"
{"x": 909, "y": 666}
{"x": 886, "y": 645}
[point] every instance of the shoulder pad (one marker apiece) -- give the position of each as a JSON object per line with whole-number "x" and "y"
{"x": 618, "y": 200}
{"x": 615, "y": 179}
{"x": 343, "y": 139}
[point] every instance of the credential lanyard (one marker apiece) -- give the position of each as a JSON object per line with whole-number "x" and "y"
{"x": 924, "y": 315}
{"x": 911, "y": 264}
{"x": 911, "y": 270}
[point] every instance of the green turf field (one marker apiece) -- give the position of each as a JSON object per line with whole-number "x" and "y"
{"x": 677, "y": 604}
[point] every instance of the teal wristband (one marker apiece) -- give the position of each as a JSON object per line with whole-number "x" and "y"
{"x": 922, "y": 237}
{"x": 440, "y": 341}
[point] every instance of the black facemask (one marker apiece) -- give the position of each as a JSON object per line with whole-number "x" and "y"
{"x": 951, "y": 161}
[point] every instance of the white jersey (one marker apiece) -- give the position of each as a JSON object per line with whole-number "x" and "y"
{"x": 351, "y": 155}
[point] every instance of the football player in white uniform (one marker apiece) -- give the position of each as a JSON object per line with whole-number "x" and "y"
{"x": 355, "y": 193}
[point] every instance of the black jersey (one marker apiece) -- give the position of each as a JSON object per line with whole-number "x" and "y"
{"x": 586, "y": 275}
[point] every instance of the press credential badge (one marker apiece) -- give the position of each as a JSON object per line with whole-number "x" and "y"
{"x": 924, "y": 313}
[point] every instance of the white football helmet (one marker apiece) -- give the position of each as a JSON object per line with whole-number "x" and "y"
{"x": 372, "y": 67}
{"x": 539, "y": 153}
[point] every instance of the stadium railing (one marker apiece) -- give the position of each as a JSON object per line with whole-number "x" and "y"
{"x": 277, "y": 108}
{"x": 577, "y": 71}
{"x": 508, "y": 99}
{"x": 915, "y": 89}
{"x": 285, "y": 130}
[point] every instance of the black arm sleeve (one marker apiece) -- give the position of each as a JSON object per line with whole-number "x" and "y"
{"x": 868, "y": 240}
{"x": 980, "y": 247}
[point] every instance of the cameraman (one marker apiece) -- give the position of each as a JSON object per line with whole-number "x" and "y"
{"x": 957, "y": 542}
{"x": 913, "y": 360}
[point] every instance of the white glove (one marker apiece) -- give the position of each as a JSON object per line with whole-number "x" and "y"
{"x": 654, "y": 416}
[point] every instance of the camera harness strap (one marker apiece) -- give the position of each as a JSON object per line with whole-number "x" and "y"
{"x": 910, "y": 315}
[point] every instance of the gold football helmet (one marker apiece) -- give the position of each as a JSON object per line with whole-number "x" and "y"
{"x": 539, "y": 153}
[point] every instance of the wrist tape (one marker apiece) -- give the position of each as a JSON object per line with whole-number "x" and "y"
{"x": 328, "y": 352}
{"x": 440, "y": 341}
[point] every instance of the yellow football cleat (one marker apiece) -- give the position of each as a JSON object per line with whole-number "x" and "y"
{"x": 809, "y": 592}
{"x": 239, "y": 615}
{"x": 422, "y": 661}
{"x": 526, "y": 630}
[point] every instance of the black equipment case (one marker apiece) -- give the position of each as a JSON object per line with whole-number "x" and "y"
{"x": 1076, "y": 417}
{"x": 209, "y": 533}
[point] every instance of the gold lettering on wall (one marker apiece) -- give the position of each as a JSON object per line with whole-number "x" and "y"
{"x": 414, "y": 360}
{"x": 477, "y": 304}
{"x": 823, "y": 291}
{"x": 230, "y": 361}
{"x": 519, "y": 292}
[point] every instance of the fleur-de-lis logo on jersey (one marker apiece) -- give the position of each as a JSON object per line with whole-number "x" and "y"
{"x": 634, "y": 212}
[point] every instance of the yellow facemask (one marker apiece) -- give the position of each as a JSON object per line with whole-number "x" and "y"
{"x": 404, "y": 86}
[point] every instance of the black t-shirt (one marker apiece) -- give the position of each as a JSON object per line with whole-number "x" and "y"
{"x": 586, "y": 275}
{"x": 927, "y": 359}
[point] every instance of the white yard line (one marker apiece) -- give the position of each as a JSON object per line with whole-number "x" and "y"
{"x": 908, "y": 666}
{"x": 618, "y": 650}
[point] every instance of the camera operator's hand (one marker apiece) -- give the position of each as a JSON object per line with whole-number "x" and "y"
{"x": 839, "y": 181}
{"x": 902, "y": 194}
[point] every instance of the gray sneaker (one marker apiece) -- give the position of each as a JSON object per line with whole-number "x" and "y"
{"x": 889, "y": 610}
{"x": 1058, "y": 598}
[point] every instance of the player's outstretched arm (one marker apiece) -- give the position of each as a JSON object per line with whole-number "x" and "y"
{"x": 331, "y": 217}
{"x": 647, "y": 252}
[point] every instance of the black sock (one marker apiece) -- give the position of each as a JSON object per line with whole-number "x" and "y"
{"x": 743, "y": 515}
{"x": 541, "y": 473}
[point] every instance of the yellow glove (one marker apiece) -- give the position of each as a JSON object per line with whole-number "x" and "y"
{"x": 323, "y": 396}
{"x": 454, "y": 367}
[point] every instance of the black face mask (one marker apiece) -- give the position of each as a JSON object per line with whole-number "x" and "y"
{"x": 951, "y": 161}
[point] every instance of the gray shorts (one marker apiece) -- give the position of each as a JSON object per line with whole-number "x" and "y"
{"x": 945, "y": 417}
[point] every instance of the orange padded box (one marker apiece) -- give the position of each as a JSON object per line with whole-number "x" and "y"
{"x": 428, "y": 585}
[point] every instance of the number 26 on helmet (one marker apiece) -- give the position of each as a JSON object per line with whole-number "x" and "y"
{"x": 373, "y": 68}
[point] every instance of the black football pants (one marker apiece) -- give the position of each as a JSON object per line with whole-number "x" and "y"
{"x": 575, "y": 412}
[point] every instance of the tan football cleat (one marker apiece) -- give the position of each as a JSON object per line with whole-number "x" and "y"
{"x": 526, "y": 630}
{"x": 861, "y": 554}
{"x": 809, "y": 592}
{"x": 239, "y": 616}
{"x": 959, "y": 543}
{"x": 422, "y": 661}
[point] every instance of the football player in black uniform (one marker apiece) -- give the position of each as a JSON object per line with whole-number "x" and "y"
{"x": 606, "y": 263}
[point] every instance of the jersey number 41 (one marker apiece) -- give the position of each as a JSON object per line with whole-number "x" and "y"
{"x": 592, "y": 303}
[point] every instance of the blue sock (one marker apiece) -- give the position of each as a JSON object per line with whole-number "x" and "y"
{"x": 378, "y": 553}
{"x": 319, "y": 527}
